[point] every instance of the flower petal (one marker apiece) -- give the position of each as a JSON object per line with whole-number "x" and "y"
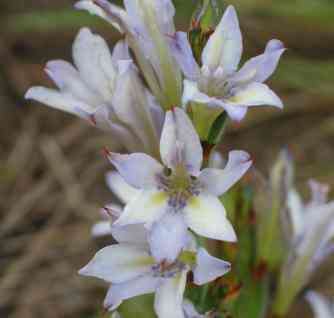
{"x": 120, "y": 52}
{"x": 138, "y": 169}
{"x": 58, "y": 100}
{"x": 260, "y": 68}
{"x": 321, "y": 306}
{"x": 68, "y": 80}
{"x": 92, "y": 57}
{"x": 206, "y": 216}
{"x": 120, "y": 188}
{"x": 190, "y": 310}
{"x": 135, "y": 287}
{"x": 169, "y": 296}
{"x": 180, "y": 143}
{"x": 146, "y": 208}
{"x": 208, "y": 268}
{"x": 224, "y": 47}
{"x": 255, "y": 94}
{"x": 119, "y": 263}
{"x": 183, "y": 55}
{"x": 218, "y": 181}
{"x": 93, "y": 8}
{"x": 134, "y": 233}
{"x": 168, "y": 236}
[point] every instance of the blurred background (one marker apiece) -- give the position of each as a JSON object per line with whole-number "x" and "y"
{"x": 52, "y": 173}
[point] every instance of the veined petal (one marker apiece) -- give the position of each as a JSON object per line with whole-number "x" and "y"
{"x": 168, "y": 236}
{"x": 135, "y": 287}
{"x": 146, "y": 208}
{"x": 120, "y": 188}
{"x": 208, "y": 268}
{"x": 183, "y": 55}
{"x": 60, "y": 101}
{"x": 119, "y": 263}
{"x": 321, "y": 307}
{"x": 169, "y": 296}
{"x": 218, "y": 181}
{"x": 92, "y": 8}
{"x": 206, "y": 216}
{"x": 224, "y": 47}
{"x": 138, "y": 169}
{"x": 255, "y": 94}
{"x": 134, "y": 233}
{"x": 260, "y": 68}
{"x": 92, "y": 57}
{"x": 180, "y": 143}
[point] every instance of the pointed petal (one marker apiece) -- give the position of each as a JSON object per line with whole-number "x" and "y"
{"x": 138, "y": 170}
{"x": 57, "y": 100}
{"x": 183, "y": 55}
{"x": 255, "y": 94}
{"x": 218, "y": 181}
{"x": 206, "y": 216}
{"x": 319, "y": 192}
{"x": 208, "y": 268}
{"x": 135, "y": 287}
{"x": 101, "y": 229}
{"x": 93, "y": 8}
{"x": 146, "y": 208}
{"x": 168, "y": 236}
{"x": 180, "y": 143}
{"x": 134, "y": 233}
{"x": 321, "y": 306}
{"x": 224, "y": 47}
{"x": 92, "y": 57}
{"x": 261, "y": 67}
{"x": 120, "y": 188}
{"x": 169, "y": 296}
{"x": 120, "y": 52}
{"x": 119, "y": 263}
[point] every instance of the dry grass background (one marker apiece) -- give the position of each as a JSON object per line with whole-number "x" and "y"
{"x": 52, "y": 173}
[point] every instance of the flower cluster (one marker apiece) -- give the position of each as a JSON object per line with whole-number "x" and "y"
{"x": 147, "y": 94}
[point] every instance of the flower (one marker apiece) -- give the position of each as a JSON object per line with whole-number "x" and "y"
{"x": 177, "y": 194}
{"x": 321, "y": 306}
{"x": 310, "y": 243}
{"x": 132, "y": 271}
{"x": 217, "y": 82}
{"x": 146, "y": 24}
{"x": 106, "y": 90}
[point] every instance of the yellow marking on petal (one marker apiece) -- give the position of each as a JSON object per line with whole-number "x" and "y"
{"x": 144, "y": 261}
{"x": 194, "y": 202}
{"x": 159, "y": 198}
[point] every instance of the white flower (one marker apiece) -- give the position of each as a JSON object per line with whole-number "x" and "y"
{"x": 132, "y": 271}
{"x": 218, "y": 83}
{"x": 178, "y": 195}
{"x": 104, "y": 89}
{"x": 146, "y": 23}
{"x": 322, "y": 307}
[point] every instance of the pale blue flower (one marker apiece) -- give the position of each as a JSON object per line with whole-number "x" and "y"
{"x": 218, "y": 83}
{"x": 177, "y": 194}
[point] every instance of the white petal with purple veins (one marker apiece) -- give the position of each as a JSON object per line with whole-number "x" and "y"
{"x": 208, "y": 268}
{"x": 218, "y": 181}
{"x": 119, "y": 263}
{"x": 206, "y": 216}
